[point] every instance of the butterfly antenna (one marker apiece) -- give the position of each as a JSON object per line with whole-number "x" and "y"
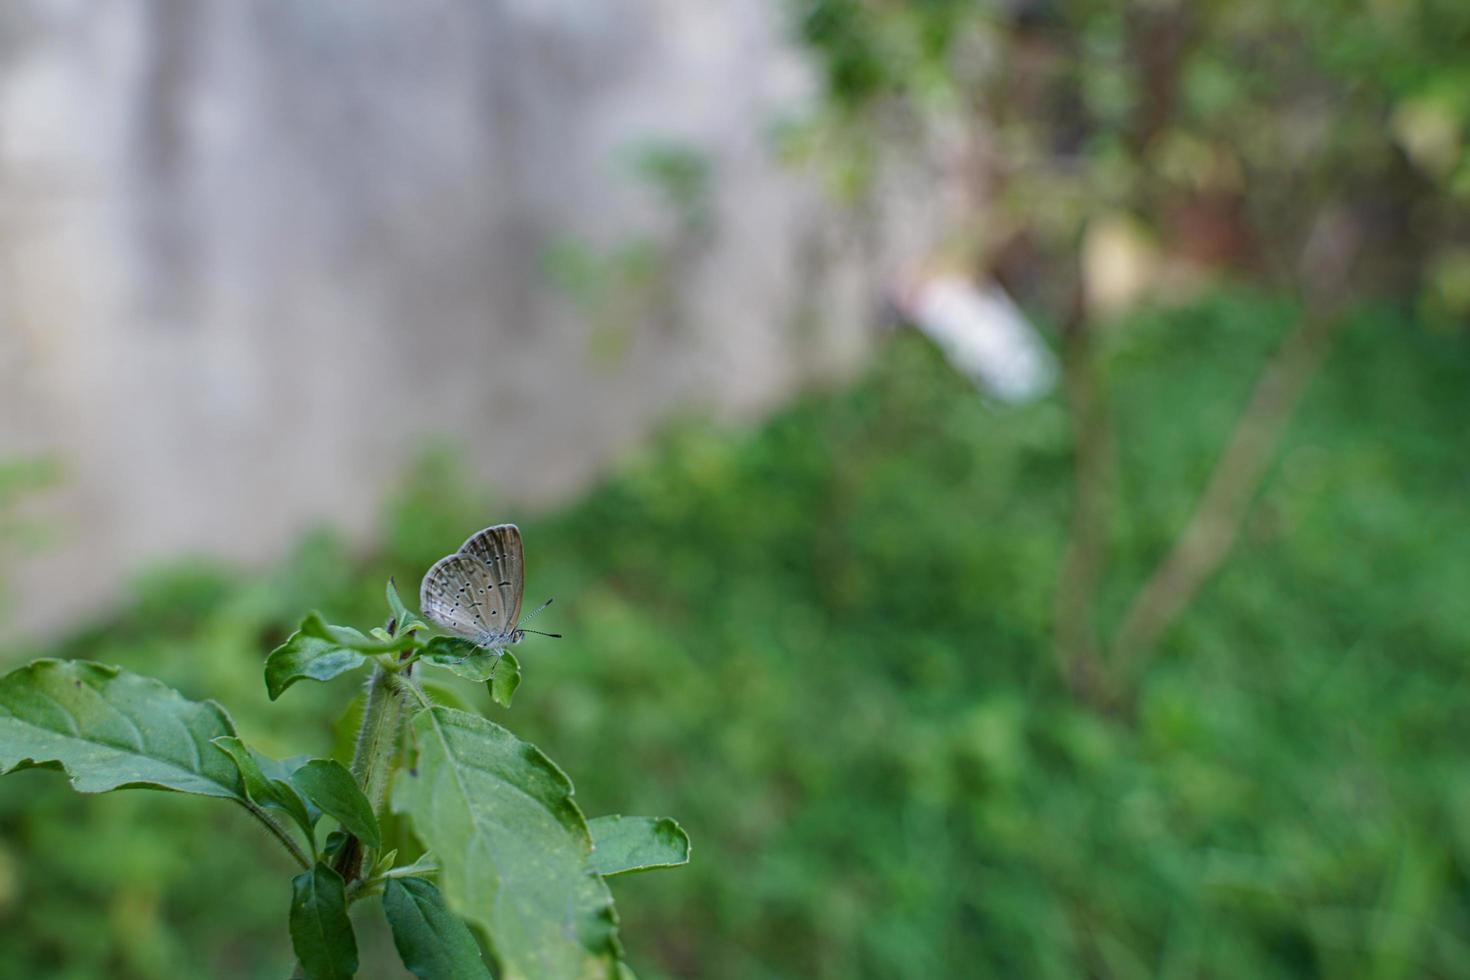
{"x": 528, "y": 616}
{"x": 534, "y": 612}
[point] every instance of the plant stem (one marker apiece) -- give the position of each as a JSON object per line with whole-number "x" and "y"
{"x": 372, "y": 760}
{"x": 377, "y": 739}
{"x": 279, "y": 833}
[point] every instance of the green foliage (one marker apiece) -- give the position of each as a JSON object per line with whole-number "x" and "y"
{"x": 460, "y": 656}
{"x": 682, "y": 176}
{"x": 624, "y": 844}
{"x": 308, "y": 655}
{"x": 513, "y": 848}
{"x": 615, "y": 290}
{"x": 844, "y": 620}
{"x": 499, "y": 670}
{"x": 825, "y": 645}
{"x": 277, "y": 793}
{"x": 404, "y": 619}
{"x": 331, "y": 787}
{"x": 22, "y": 478}
{"x": 110, "y": 729}
{"x": 505, "y": 677}
{"x": 516, "y": 849}
{"x": 433, "y": 943}
{"x": 626, "y": 287}
{"x": 321, "y": 933}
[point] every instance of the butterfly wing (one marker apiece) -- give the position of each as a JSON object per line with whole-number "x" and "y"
{"x": 459, "y": 593}
{"x": 500, "y": 549}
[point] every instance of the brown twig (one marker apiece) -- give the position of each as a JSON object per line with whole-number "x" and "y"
{"x": 1079, "y": 657}
{"x": 1325, "y": 274}
{"x": 1223, "y": 506}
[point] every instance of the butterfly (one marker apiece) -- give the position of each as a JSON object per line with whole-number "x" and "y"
{"x": 476, "y": 592}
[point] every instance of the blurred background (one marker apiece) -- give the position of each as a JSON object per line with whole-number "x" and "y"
{"x": 1002, "y": 464}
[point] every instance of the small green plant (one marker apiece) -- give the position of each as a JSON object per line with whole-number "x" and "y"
{"x": 507, "y": 862}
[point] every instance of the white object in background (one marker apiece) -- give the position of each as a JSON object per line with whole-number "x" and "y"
{"x": 983, "y": 334}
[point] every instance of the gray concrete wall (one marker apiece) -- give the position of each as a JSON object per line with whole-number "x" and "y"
{"x": 252, "y": 252}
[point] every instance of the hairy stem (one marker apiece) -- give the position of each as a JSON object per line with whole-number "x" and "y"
{"x": 280, "y": 833}
{"x": 372, "y": 760}
{"x": 377, "y": 739}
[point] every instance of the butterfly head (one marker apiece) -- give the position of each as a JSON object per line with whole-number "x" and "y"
{"x": 496, "y": 640}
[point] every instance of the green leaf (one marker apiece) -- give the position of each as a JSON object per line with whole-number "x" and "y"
{"x": 280, "y": 770}
{"x": 395, "y": 603}
{"x": 404, "y": 618}
{"x": 319, "y": 651}
{"x": 321, "y": 933}
{"x": 424, "y": 866}
{"x": 306, "y": 656}
{"x": 350, "y": 639}
{"x": 432, "y": 941}
{"x": 442, "y": 649}
{"x": 300, "y": 808}
{"x": 264, "y": 790}
{"x": 445, "y": 695}
{"x": 111, "y": 729}
{"x": 257, "y": 785}
{"x": 624, "y": 844}
{"x": 514, "y": 849}
{"x": 464, "y": 658}
{"x": 330, "y": 786}
{"x": 504, "y": 681}
{"x": 333, "y": 845}
{"x": 384, "y": 862}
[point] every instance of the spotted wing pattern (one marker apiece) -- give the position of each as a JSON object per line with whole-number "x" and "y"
{"x": 460, "y": 594}
{"x": 499, "y": 547}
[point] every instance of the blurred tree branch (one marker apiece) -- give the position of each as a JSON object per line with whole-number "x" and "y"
{"x": 1223, "y": 506}
{"x": 1215, "y": 142}
{"x": 1078, "y": 654}
{"x": 1207, "y": 538}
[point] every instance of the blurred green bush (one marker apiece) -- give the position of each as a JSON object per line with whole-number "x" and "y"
{"x": 825, "y": 644}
